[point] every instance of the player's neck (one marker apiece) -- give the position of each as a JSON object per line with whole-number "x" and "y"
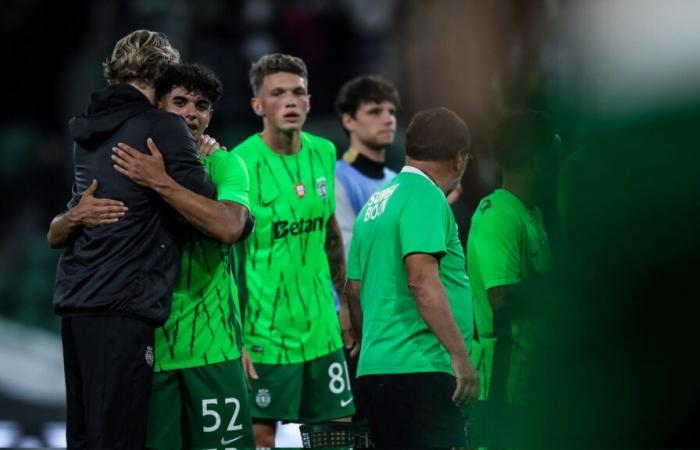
{"x": 373, "y": 154}
{"x": 148, "y": 91}
{"x": 436, "y": 171}
{"x": 522, "y": 186}
{"x": 284, "y": 143}
{"x": 364, "y": 165}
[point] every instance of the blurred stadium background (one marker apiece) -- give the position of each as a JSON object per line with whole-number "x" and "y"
{"x": 606, "y": 70}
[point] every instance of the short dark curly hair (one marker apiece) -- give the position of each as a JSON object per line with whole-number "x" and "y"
{"x": 193, "y": 78}
{"x": 366, "y": 88}
{"x": 521, "y": 136}
{"x": 437, "y": 134}
{"x": 275, "y": 63}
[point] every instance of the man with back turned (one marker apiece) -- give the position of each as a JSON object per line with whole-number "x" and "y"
{"x": 114, "y": 279}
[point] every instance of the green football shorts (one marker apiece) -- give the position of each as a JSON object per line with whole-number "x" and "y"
{"x": 201, "y": 407}
{"x": 310, "y": 392}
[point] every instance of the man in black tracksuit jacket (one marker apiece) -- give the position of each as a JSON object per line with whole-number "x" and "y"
{"x": 114, "y": 282}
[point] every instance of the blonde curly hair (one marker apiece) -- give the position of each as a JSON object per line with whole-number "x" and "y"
{"x": 141, "y": 56}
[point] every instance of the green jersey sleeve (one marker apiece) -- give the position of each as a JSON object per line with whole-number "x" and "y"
{"x": 497, "y": 250}
{"x": 423, "y": 225}
{"x": 229, "y": 173}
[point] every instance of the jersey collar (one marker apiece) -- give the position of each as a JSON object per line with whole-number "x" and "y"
{"x": 417, "y": 171}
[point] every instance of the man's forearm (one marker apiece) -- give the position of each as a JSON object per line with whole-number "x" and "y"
{"x": 89, "y": 212}
{"x": 336, "y": 256}
{"x": 434, "y": 307}
{"x": 61, "y": 230}
{"x": 223, "y": 221}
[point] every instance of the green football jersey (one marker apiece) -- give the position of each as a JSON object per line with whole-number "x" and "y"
{"x": 290, "y": 314}
{"x": 409, "y": 215}
{"x": 507, "y": 244}
{"x": 204, "y": 325}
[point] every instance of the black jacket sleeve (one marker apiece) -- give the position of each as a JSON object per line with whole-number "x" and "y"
{"x": 175, "y": 142}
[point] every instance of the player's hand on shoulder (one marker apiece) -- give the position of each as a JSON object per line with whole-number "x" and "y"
{"x": 208, "y": 145}
{"x": 467, "y": 390}
{"x": 146, "y": 170}
{"x": 92, "y": 211}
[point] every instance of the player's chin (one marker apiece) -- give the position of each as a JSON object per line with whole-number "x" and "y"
{"x": 383, "y": 140}
{"x": 291, "y": 126}
{"x": 196, "y": 133}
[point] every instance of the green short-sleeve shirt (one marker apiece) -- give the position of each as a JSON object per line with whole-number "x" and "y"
{"x": 507, "y": 244}
{"x": 290, "y": 314}
{"x": 204, "y": 325}
{"x": 408, "y": 215}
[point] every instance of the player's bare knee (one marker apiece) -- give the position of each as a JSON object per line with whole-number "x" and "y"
{"x": 264, "y": 433}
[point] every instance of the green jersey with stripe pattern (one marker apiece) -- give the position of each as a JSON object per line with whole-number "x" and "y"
{"x": 290, "y": 314}
{"x": 204, "y": 326}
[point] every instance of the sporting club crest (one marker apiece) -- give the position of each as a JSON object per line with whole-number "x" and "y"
{"x": 322, "y": 187}
{"x": 149, "y": 356}
{"x": 263, "y": 398}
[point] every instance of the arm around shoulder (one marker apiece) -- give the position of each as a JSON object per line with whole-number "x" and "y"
{"x": 179, "y": 151}
{"x": 89, "y": 212}
{"x": 61, "y": 230}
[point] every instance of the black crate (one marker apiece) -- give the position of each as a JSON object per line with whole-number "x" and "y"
{"x": 336, "y": 434}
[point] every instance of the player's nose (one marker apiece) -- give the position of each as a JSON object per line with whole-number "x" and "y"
{"x": 189, "y": 110}
{"x": 389, "y": 119}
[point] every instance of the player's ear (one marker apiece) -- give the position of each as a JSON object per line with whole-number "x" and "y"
{"x": 257, "y": 106}
{"x": 347, "y": 121}
{"x": 460, "y": 162}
